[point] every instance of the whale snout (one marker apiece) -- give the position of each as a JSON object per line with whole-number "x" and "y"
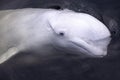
{"x": 101, "y": 55}
{"x": 89, "y": 48}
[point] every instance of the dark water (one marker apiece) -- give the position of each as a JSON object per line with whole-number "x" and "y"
{"x": 68, "y": 67}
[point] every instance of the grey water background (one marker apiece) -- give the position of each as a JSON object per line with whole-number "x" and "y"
{"x": 68, "y": 67}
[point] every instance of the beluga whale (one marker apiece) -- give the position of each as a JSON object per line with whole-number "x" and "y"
{"x": 48, "y": 29}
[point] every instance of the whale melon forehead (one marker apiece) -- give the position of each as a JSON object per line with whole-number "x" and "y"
{"x": 78, "y": 24}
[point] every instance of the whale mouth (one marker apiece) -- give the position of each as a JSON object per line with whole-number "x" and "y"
{"x": 85, "y": 51}
{"x": 88, "y": 49}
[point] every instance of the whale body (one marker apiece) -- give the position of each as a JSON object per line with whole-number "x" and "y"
{"x": 49, "y": 29}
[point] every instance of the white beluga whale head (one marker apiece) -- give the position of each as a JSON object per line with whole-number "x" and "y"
{"x": 79, "y": 33}
{"x": 46, "y": 29}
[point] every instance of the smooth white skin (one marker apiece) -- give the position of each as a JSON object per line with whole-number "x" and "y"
{"x": 24, "y": 29}
{"x": 83, "y": 32}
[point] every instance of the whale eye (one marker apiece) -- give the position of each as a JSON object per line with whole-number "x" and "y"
{"x": 61, "y": 33}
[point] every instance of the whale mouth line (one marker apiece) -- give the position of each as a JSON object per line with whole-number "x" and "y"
{"x": 86, "y": 51}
